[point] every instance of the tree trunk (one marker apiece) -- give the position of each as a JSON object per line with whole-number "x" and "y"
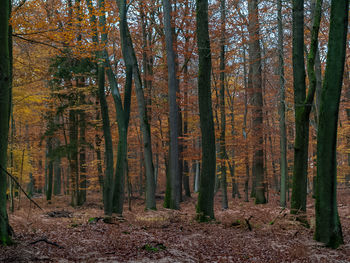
{"x": 328, "y": 229}
{"x": 282, "y": 109}
{"x": 257, "y": 102}
{"x": 173, "y": 109}
{"x": 223, "y": 154}
{"x": 108, "y": 178}
{"x": 82, "y": 151}
{"x": 205, "y": 206}
{"x": 50, "y": 170}
{"x": 302, "y": 102}
{"x": 130, "y": 61}
{"x": 73, "y": 149}
{"x": 5, "y": 105}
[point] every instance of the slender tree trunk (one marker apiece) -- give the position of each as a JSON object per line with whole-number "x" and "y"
{"x": 5, "y": 104}
{"x": 223, "y": 154}
{"x": 57, "y": 175}
{"x": 108, "y": 178}
{"x": 130, "y": 61}
{"x": 50, "y": 170}
{"x": 257, "y": 102}
{"x": 282, "y": 108}
{"x": 205, "y": 206}
{"x": 82, "y": 158}
{"x": 328, "y": 229}
{"x": 186, "y": 177}
{"x": 82, "y": 144}
{"x": 73, "y": 148}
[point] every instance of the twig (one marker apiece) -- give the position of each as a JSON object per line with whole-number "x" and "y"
{"x": 46, "y": 241}
{"x": 20, "y": 187}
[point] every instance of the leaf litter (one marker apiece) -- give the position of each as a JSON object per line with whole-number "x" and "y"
{"x": 243, "y": 233}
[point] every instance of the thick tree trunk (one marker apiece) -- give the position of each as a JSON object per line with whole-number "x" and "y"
{"x": 5, "y": 104}
{"x": 205, "y": 206}
{"x": 328, "y": 229}
{"x": 257, "y": 102}
{"x": 174, "y": 171}
{"x": 302, "y": 102}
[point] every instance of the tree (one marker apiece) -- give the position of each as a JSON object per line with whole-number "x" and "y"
{"x": 5, "y": 106}
{"x": 223, "y": 153}
{"x": 256, "y": 101}
{"x": 205, "y": 206}
{"x": 302, "y": 102}
{"x": 131, "y": 61}
{"x": 282, "y": 108}
{"x": 174, "y": 171}
{"x": 328, "y": 228}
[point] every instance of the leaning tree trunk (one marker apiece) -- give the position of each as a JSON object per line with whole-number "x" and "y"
{"x": 205, "y": 206}
{"x": 5, "y": 104}
{"x": 130, "y": 60}
{"x": 328, "y": 229}
{"x": 257, "y": 102}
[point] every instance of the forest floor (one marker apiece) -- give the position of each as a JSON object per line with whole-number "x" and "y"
{"x": 244, "y": 233}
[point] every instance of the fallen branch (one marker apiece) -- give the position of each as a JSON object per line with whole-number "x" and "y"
{"x": 20, "y": 187}
{"x": 248, "y": 224}
{"x": 46, "y": 241}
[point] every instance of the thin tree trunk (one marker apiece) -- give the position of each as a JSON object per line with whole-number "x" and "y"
{"x": 108, "y": 178}
{"x": 50, "y": 170}
{"x": 73, "y": 148}
{"x": 130, "y": 61}
{"x": 328, "y": 229}
{"x": 282, "y": 108}
{"x": 223, "y": 154}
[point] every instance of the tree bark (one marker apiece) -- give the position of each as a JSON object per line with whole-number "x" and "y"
{"x": 328, "y": 229}
{"x": 205, "y": 206}
{"x": 302, "y": 103}
{"x": 174, "y": 171}
{"x": 223, "y": 153}
{"x": 282, "y": 109}
{"x": 257, "y": 102}
{"x": 5, "y": 104}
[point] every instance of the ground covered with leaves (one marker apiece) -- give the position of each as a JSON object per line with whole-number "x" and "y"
{"x": 243, "y": 233}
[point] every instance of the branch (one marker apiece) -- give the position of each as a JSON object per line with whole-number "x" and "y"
{"x": 46, "y": 241}
{"x": 35, "y": 41}
{"x": 20, "y": 187}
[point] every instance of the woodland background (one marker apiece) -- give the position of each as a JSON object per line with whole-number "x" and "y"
{"x": 57, "y": 117}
